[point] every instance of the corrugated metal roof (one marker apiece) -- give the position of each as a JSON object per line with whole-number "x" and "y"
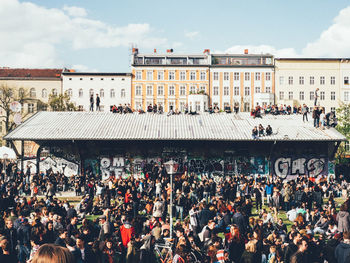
{"x": 216, "y": 127}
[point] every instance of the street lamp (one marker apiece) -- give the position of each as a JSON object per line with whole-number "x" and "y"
{"x": 171, "y": 169}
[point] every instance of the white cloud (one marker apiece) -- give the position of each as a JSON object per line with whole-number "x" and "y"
{"x": 33, "y": 35}
{"x": 191, "y": 35}
{"x": 75, "y": 11}
{"x": 333, "y": 42}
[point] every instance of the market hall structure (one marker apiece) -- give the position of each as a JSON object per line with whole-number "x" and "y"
{"x": 207, "y": 144}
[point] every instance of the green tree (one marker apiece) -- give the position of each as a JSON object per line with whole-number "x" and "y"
{"x": 343, "y": 116}
{"x": 61, "y": 102}
{"x": 8, "y": 95}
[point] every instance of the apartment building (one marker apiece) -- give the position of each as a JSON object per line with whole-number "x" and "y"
{"x": 298, "y": 78}
{"x": 112, "y": 88}
{"x": 246, "y": 80}
{"x": 168, "y": 79}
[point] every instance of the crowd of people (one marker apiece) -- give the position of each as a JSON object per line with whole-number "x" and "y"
{"x": 234, "y": 219}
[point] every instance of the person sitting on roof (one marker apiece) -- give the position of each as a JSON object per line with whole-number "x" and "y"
{"x": 261, "y": 130}
{"x": 268, "y": 130}
{"x": 255, "y": 133}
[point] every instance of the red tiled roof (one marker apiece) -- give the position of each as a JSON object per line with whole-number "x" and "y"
{"x": 30, "y": 73}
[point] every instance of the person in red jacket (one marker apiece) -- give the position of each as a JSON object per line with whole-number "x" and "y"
{"x": 127, "y": 231}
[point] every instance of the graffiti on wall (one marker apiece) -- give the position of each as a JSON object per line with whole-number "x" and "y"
{"x": 56, "y": 164}
{"x": 291, "y": 166}
{"x": 123, "y": 167}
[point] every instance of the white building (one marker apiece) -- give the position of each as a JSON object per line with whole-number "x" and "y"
{"x": 112, "y": 88}
{"x": 298, "y": 78}
{"x": 344, "y": 81}
{"x": 198, "y": 102}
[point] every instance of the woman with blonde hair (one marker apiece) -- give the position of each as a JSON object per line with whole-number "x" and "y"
{"x": 49, "y": 253}
{"x": 249, "y": 255}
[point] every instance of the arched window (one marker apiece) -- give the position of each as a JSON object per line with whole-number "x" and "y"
{"x": 44, "y": 93}
{"x": 54, "y": 92}
{"x": 81, "y": 93}
{"x": 32, "y": 93}
{"x": 70, "y": 92}
{"x": 122, "y": 93}
{"x": 112, "y": 95}
{"x": 21, "y": 93}
{"x": 102, "y": 93}
{"x": 91, "y": 92}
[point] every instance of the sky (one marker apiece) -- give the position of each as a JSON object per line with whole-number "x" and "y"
{"x": 97, "y": 35}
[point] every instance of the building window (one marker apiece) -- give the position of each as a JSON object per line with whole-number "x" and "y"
{"x": 138, "y": 91}
{"x": 312, "y": 80}
{"x": 246, "y": 91}
{"x": 160, "y": 75}
{"x": 312, "y": 95}
{"x": 333, "y": 95}
{"x": 112, "y": 93}
{"x": 215, "y": 91}
{"x": 171, "y": 75}
{"x": 43, "y": 93}
{"x": 333, "y": 80}
{"x": 30, "y": 107}
{"x": 193, "y": 75}
{"x": 346, "y": 80}
{"x": 81, "y": 93}
{"x": 281, "y": 80}
{"x": 216, "y": 75}
{"x": 197, "y": 106}
{"x": 149, "y": 90}
{"x": 236, "y": 91}
{"x": 346, "y": 95}
{"x": 268, "y": 89}
{"x": 32, "y": 93}
{"x": 203, "y": 75}
{"x": 138, "y": 75}
{"x": 236, "y": 76}
{"x": 193, "y": 90}
{"x": 290, "y": 80}
{"x": 246, "y": 76}
{"x": 322, "y": 80}
{"x": 183, "y": 75}
{"x": 290, "y": 95}
{"x": 301, "y": 80}
{"x": 182, "y": 91}
{"x": 257, "y": 89}
{"x": 268, "y": 76}
{"x": 91, "y": 92}
{"x": 301, "y": 95}
{"x": 226, "y": 91}
{"x": 226, "y": 76}
{"x": 322, "y": 95}
{"x": 171, "y": 105}
{"x": 202, "y": 89}
{"x": 70, "y": 93}
{"x": 332, "y": 109}
{"x": 160, "y": 91}
{"x": 122, "y": 93}
{"x": 102, "y": 93}
{"x": 150, "y": 75}
{"x": 347, "y": 146}
{"x": 182, "y": 106}
{"x": 171, "y": 91}
{"x": 281, "y": 95}
{"x": 21, "y": 94}
{"x": 257, "y": 75}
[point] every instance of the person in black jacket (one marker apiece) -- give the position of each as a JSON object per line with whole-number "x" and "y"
{"x": 239, "y": 220}
{"x": 62, "y": 235}
{"x": 146, "y": 251}
{"x": 24, "y": 234}
{"x": 292, "y": 247}
{"x": 11, "y": 235}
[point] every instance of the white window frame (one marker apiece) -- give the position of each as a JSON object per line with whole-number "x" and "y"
{"x": 290, "y": 80}
{"x": 236, "y": 76}
{"x": 216, "y": 91}
{"x": 160, "y": 90}
{"x": 257, "y": 76}
{"x": 332, "y": 95}
{"x": 281, "y": 95}
{"x": 171, "y": 90}
{"x": 322, "y": 80}
{"x": 312, "y": 80}
{"x": 138, "y": 75}
{"x": 236, "y": 91}
{"x": 171, "y": 75}
{"x": 160, "y": 75}
{"x": 138, "y": 90}
{"x": 246, "y": 91}
{"x": 301, "y": 80}
{"x": 226, "y": 91}
{"x": 247, "y": 76}
{"x": 112, "y": 93}
{"x": 182, "y": 90}
{"x": 216, "y": 76}
{"x": 149, "y": 90}
{"x": 149, "y": 75}
{"x": 226, "y": 76}
{"x": 268, "y": 76}
{"x": 332, "y": 80}
{"x": 193, "y": 75}
{"x": 182, "y": 75}
{"x": 301, "y": 95}
{"x": 290, "y": 95}
{"x": 203, "y": 75}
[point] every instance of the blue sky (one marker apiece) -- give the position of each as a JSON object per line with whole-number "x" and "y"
{"x": 92, "y": 35}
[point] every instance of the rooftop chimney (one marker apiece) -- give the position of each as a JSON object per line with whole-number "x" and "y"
{"x": 246, "y": 51}
{"x": 135, "y": 50}
{"x": 169, "y": 50}
{"x": 155, "y": 50}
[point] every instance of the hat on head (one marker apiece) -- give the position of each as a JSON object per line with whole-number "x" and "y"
{"x": 102, "y": 217}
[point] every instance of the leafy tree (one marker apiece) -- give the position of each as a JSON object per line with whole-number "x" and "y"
{"x": 61, "y": 102}
{"x": 7, "y": 96}
{"x": 343, "y": 116}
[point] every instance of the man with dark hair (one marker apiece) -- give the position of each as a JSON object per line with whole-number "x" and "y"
{"x": 300, "y": 256}
{"x": 92, "y": 102}
{"x": 292, "y": 247}
{"x": 98, "y": 100}
{"x": 62, "y": 235}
